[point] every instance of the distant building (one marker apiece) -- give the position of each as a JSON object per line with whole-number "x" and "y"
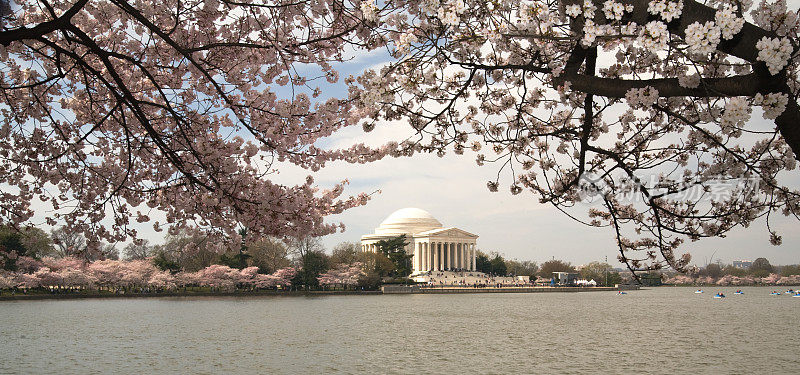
{"x": 564, "y": 278}
{"x": 434, "y": 247}
{"x": 743, "y": 264}
{"x": 650, "y": 279}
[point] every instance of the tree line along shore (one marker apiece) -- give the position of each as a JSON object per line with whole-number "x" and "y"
{"x": 62, "y": 262}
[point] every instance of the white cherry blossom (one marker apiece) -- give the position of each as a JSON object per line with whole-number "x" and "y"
{"x": 702, "y": 38}
{"x": 774, "y": 52}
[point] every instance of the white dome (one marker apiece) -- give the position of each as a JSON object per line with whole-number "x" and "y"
{"x": 408, "y": 220}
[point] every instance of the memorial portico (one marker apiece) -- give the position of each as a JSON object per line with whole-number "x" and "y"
{"x": 434, "y": 247}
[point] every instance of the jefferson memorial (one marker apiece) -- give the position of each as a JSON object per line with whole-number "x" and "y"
{"x": 435, "y": 247}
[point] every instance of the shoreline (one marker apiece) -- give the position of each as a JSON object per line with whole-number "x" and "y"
{"x": 310, "y": 293}
{"x": 292, "y": 293}
{"x": 509, "y": 289}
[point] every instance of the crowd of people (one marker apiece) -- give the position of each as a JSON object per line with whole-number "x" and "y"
{"x": 469, "y": 279}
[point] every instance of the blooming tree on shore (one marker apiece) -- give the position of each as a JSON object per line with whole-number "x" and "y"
{"x": 649, "y": 109}
{"x": 730, "y": 280}
{"x": 138, "y": 275}
{"x": 344, "y": 275}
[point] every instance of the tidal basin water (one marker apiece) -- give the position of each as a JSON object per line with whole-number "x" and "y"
{"x": 661, "y": 330}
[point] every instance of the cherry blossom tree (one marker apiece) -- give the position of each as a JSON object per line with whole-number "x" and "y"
{"x": 186, "y": 279}
{"x": 218, "y": 277}
{"x": 135, "y": 276}
{"x": 48, "y": 278}
{"x": 26, "y": 280}
{"x": 344, "y": 275}
{"x": 57, "y": 264}
{"x": 286, "y": 275}
{"x": 163, "y": 280}
{"x": 113, "y": 110}
{"x": 77, "y": 278}
{"x": 680, "y": 280}
{"x": 27, "y": 264}
{"x": 7, "y": 282}
{"x": 107, "y": 272}
{"x": 789, "y": 280}
{"x": 650, "y": 110}
{"x": 136, "y": 273}
{"x": 772, "y": 279}
{"x": 247, "y": 276}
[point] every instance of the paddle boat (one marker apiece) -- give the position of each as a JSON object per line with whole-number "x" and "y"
{"x": 698, "y": 291}
{"x": 796, "y": 294}
{"x": 790, "y": 291}
{"x": 719, "y": 295}
{"x": 774, "y": 293}
{"x": 738, "y": 292}
{"x": 619, "y": 293}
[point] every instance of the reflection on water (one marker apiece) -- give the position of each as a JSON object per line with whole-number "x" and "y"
{"x": 662, "y": 330}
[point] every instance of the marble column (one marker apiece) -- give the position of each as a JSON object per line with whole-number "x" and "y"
{"x": 444, "y": 255}
{"x": 417, "y": 257}
{"x": 447, "y": 257}
{"x": 436, "y": 256}
{"x": 428, "y": 257}
{"x": 465, "y": 253}
{"x": 461, "y": 256}
{"x": 424, "y": 257}
{"x": 474, "y": 266}
{"x": 456, "y": 258}
{"x": 469, "y": 257}
{"x": 464, "y": 256}
{"x": 421, "y": 256}
{"x": 452, "y": 255}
